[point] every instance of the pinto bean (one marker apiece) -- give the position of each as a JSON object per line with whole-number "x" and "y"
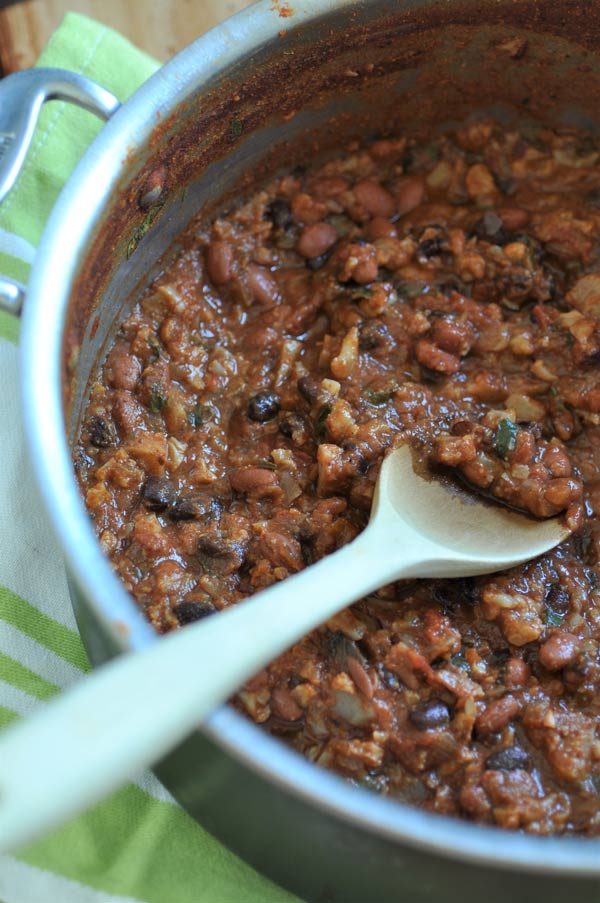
{"x": 561, "y": 492}
{"x": 360, "y": 677}
{"x": 409, "y": 194}
{"x": 557, "y": 461}
{"x": 559, "y": 650}
{"x": 315, "y": 240}
{"x": 513, "y": 218}
{"x": 329, "y": 187}
{"x": 219, "y": 262}
{"x": 122, "y": 370}
{"x": 284, "y": 705}
{"x": 429, "y": 355}
{"x": 453, "y": 336}
{"x": 496, "y": 715}
{"x": 252, "y": 480}
{"x": 359, "y": 263}
{"x": 379, "y": 227}
{"x": 128, "y": 413}
{"x": 262, "y": 285}
{"x": 376, "y": 199}
{"x": 517, "y": 673}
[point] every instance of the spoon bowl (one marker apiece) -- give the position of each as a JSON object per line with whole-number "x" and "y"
{"x": 485, "y": 536}
{"x": 101, "y": 732}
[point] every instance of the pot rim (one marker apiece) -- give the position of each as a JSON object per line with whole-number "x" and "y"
{"x": 86, "y": 193}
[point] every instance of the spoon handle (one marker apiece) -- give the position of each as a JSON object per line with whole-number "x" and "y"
{"x": 132, "y": 711}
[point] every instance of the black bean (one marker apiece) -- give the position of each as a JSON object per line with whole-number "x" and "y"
{"x": 509, "y": 759}
{"x": 82, "y": 460}
{"x": 468, "y": 590}
{"x": 308, "y": 387}
{"x": 101, "y": 433}
{"x": 340, "y": 648}
{"x": 282, "y": 726}
{"x": 263, "y": 406}
{"x": 451, "y": 594}
{"x": 187, "y": 612}
{"x": 557, "y": 599}
{"x": 372, "y": 334}
{"x": 506, "y": 186}
{"x": 159, "y": 493}
{"x": 196, "y": 509}
{"x": 593, "y": 197}
{"x": 291, "y": 424}
{"x": 491, "y": 228}
{"x": 280, "y": 214}
{"x": 185, "y": 509}
{"x": 356, "y": 459}
{"x": 430, "y": 247}
{"x": 220, "y": 556}
{"x": 315, "y": 263}
{"x": 388, "y": 678}
{"x": 306, "y": 541}
{"x": 433, "y": 713}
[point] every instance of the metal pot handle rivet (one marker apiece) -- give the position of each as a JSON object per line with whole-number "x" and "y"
{"x": 21, "y": 98}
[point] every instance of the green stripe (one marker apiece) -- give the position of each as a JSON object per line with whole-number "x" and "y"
{"x": 14, "y": 267}
{"x": 7, "y": 717}
{"x": 22, "y": 678}
{"x": 9, "y": 327}
{"x": 134, "y": 845}
{"x": 45, "y": 630}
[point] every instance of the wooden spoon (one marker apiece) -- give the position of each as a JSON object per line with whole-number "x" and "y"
{"x": 126, "y": 715}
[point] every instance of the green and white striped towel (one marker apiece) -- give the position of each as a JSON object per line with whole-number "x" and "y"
{"x": 138, "y": 845}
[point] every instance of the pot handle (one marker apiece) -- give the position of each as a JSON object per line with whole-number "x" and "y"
{"x": 22, "y": 95}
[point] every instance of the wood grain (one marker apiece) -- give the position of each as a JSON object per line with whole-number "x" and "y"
{"x": 161, "y": 28}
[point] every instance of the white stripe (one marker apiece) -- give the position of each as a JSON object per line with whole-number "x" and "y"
{"x": 30, "y": 560}
{"x": 149, "y": 783}
{"x": 22, "y": 883}
{"x": 16, "y": 246}
{"x": 16, "y": 700}
{"x": 23, "y": 704}
{"x": 36, "y": 657}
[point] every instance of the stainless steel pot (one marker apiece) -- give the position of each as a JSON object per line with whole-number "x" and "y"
{"x": 269, "y": 88}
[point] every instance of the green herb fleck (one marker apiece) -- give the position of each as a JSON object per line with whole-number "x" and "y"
{"x": 379, "y": 397}
{"x": 155, "y": 346}
{"x": 592, "y": 577}
{"x": 265, "y": 464}
{"x": 342, "y": 224}
{"x": 235, "y": 129}
{"x": 374, "y": 782}
{"x": 553, "y": 391}
{"x": 201, "y": 414}
{"x": 143, "y": 228}
{"x": 361, "y": 292}
{"x": 409, "y": 289}
{"x": 506, "y": 437}
{"x": 286, "y": 242}
{"x": 322, "y": 416}
{"x": 158, "y": 399}
{"x": 459, "y": 661}
{"x": 553, "y": 618}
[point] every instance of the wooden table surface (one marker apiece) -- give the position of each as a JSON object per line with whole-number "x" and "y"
{"x": 161, "y": 27}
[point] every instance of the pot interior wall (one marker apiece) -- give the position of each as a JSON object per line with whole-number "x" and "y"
{"x": 364, "y": 70}
{"x": 361, "y": 70}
